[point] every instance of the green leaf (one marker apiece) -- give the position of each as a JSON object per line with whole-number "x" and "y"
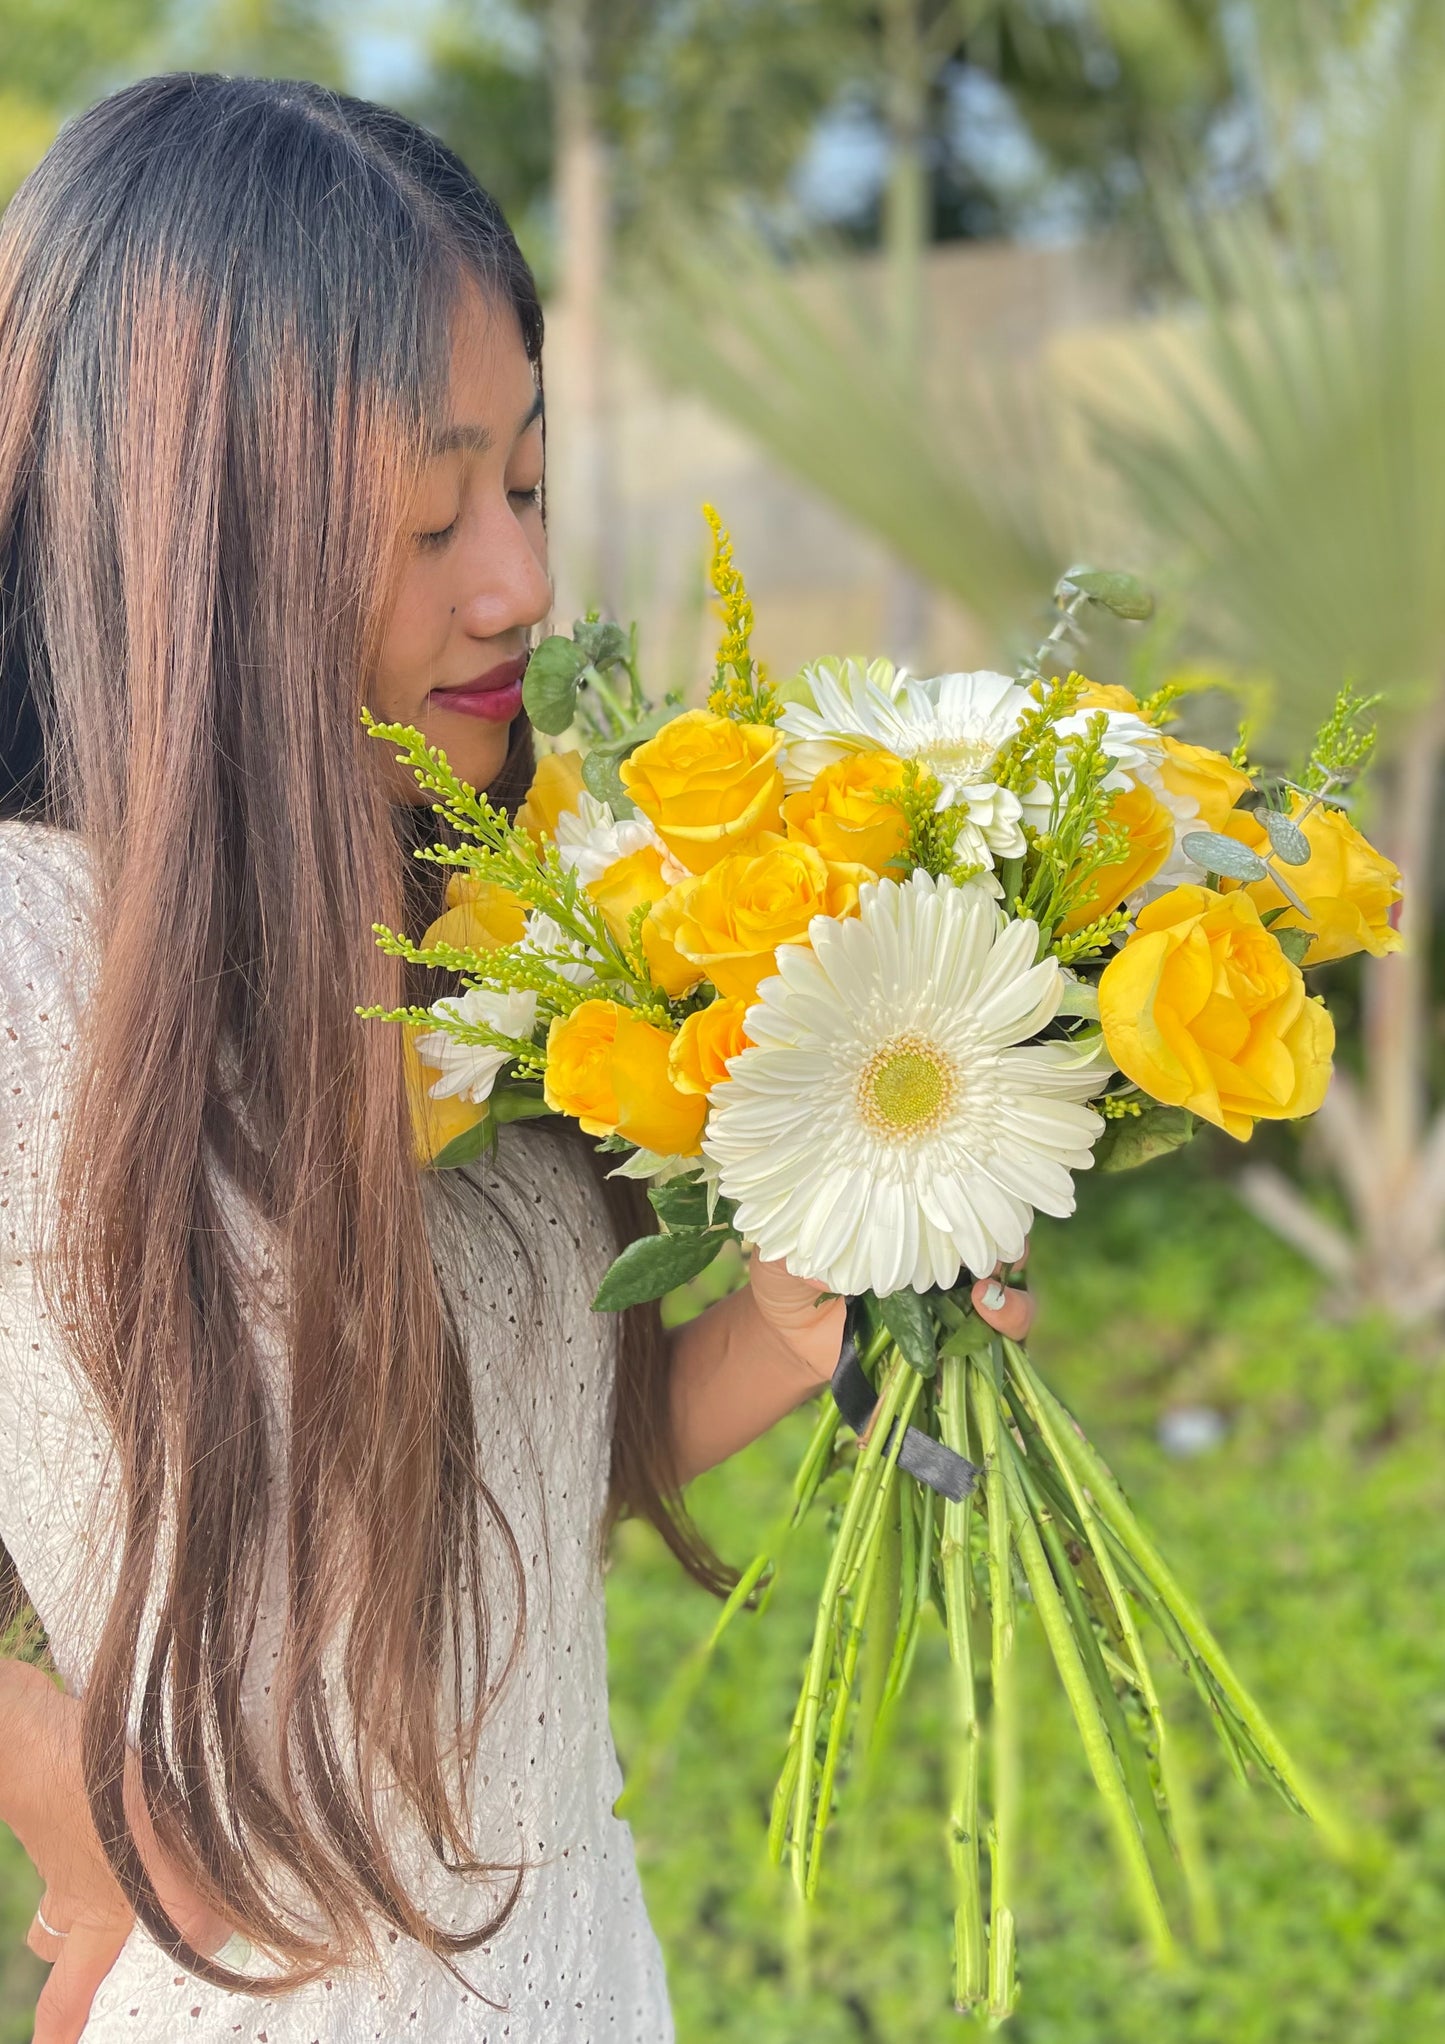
{"x": 655, "y": 1265}
{"x": 518, "y": 1103}
{"x": 1136, "y": 1139}
{"x": 472, "y": 1143}
{"x": 1294, "y": 943}
{"x": 1113, "y": 590}
{"x": 680, "y": 1203}
{"x": 549, "y": 691}
{"x": 1219, "y": 854}
{"x": 910, "y": 1323}
{"x": 599, "y": 769}
{"x": 602, "y": 642}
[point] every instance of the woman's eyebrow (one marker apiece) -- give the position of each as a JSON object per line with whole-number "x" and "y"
{"x": 477, "y": 439}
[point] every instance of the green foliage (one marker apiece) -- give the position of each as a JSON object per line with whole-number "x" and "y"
{"x": 1315, "y": 1536}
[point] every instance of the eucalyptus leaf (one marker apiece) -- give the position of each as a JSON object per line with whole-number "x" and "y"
{"x": 1112, "y": 589}
{"x": 601, "y": 779}
{"x": 602, "y": 642}
{"x": 1219, "y": 854}
{"x": 1287, "y": 840}
{"x": 549, "y": 690}
{"x": 1136, "y": 1139}
{"x": 472, "y": 1143}
{"x": 1294, "y": 943}
{"x": 656, "y": 1265}
{"x": 910, "y": 1323}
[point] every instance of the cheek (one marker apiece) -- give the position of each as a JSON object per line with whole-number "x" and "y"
{"x": 416, "y": 636}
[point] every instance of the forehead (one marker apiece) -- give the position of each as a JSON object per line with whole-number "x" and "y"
{"x": 491, "y": 380}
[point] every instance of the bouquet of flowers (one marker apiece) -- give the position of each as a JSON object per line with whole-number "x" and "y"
{"x": 861, "y": 969}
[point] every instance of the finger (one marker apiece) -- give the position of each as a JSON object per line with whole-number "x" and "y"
{"x": 45, "y": 1944}
{"x": 85, "y": 1957}
{"x": 1007, "y": 1312}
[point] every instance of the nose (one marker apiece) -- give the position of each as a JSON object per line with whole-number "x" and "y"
{"x": 506, "y": 587}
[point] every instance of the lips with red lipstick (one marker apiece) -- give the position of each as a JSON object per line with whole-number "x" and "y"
{"x": 495, "y": 696}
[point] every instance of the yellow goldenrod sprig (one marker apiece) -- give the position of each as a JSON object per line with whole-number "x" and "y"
{"x": 741, "y": 688}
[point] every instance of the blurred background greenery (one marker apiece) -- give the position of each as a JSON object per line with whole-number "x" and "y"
{"x": 935, "y": 297}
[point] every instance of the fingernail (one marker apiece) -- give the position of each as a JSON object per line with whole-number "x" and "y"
{"x": 995, "y": 1298}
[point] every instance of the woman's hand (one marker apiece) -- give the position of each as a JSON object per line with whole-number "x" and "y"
{"x": 42, "y": 1797}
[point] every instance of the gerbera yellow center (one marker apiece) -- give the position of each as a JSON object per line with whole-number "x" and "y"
{"x": 964, "y": 756}
{"x": 906, "y": 1088}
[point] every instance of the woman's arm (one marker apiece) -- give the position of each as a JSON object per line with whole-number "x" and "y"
{"x": 752, "y": 1357}
{"x": 43, "y": 1800}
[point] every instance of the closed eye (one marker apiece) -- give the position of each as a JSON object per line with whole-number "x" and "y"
{"x": 434, "y": 541}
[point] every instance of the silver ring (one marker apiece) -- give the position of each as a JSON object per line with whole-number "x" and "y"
{"x": 48, "y": 1928}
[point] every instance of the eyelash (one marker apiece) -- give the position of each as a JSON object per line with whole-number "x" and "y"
{"x": 433, "y": 541}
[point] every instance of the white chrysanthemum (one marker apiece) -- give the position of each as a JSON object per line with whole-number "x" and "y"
{"x": 470, "y": 1069}
{"x": 890, "y": 1121}
{"x": 590, "y": 838}
{"x": 567, "y": 956}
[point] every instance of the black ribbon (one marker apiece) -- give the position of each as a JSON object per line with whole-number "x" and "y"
{"x": 943, "y": 1470}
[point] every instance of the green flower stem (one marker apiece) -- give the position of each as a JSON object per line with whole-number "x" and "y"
{"x": 970, "y": 1960}
{"x": 984, "y": 1393}
{"x": 1138, "y": 1671}
{"x": 1113, "y": 1509}
{"x": 1103, "y": 1760}
{"x": 867, "y": 1480}
{"x": 874, "y": 1541}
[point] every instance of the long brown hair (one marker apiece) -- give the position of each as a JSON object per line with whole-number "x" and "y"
{"x": 224, "y": 311}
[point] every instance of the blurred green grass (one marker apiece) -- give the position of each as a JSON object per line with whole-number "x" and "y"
{"x": 1315, "y": 1537}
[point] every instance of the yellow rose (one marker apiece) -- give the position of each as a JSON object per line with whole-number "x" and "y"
{"x": 1108, "y": 695}
{"x": 1151, "y": 839}
{"x": 1202, "y": 1009}
{"x": 730, "y": 920}
{"x": 708, "y": 784}
{"x": 556, "y": 785}
{"x": 1349, "y": 887}
{"x": 434, "y": 1123}
{"x": 479, "y": 916}
{"x": 607, "y": 1068}
{"x": 620, "y": 892}
{"x": 1207, "y": 776}
{"x": 848, "y": 814}
{"x": 700, "y": 1051}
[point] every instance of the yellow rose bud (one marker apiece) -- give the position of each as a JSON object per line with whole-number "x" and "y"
{"x": 709, "y": 785}
{"x": 1348, "y": 887}
{"x": 851, "y": 814}
{"x": 620, "y": 892}
{"x": 608, "y": 1069}
{"x": 1206, "y": 776}
{"x": 479, "y": 916}
{"x": 556, "y": 785}
{"x": 700, "y": 1051}
{"x": 1151, "y": 839}
{"x": 434, "y": 1123}
{"x": 731, "y": 920}
{"x": 1202, "y": 1009}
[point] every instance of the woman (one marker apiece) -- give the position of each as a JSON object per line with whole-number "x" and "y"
{"x": 307, "y": 1455}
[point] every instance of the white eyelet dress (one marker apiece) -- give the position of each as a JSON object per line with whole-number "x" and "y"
{"x": 577, "y": 1962}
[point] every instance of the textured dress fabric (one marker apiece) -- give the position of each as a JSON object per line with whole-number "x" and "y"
{"x": 520, "y": 1241}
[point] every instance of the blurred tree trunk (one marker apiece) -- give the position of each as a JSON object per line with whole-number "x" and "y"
{"x": 906, "y": 65}
{"x": 586, "y": 521}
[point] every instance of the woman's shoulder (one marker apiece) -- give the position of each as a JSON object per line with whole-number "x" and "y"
{"x": 47, "y": 934}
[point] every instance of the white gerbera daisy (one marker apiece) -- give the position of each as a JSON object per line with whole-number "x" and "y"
{"x": 567, "y": 956}
{"x": 890, "y": 1121}
{"x": 470, "y": 1069}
